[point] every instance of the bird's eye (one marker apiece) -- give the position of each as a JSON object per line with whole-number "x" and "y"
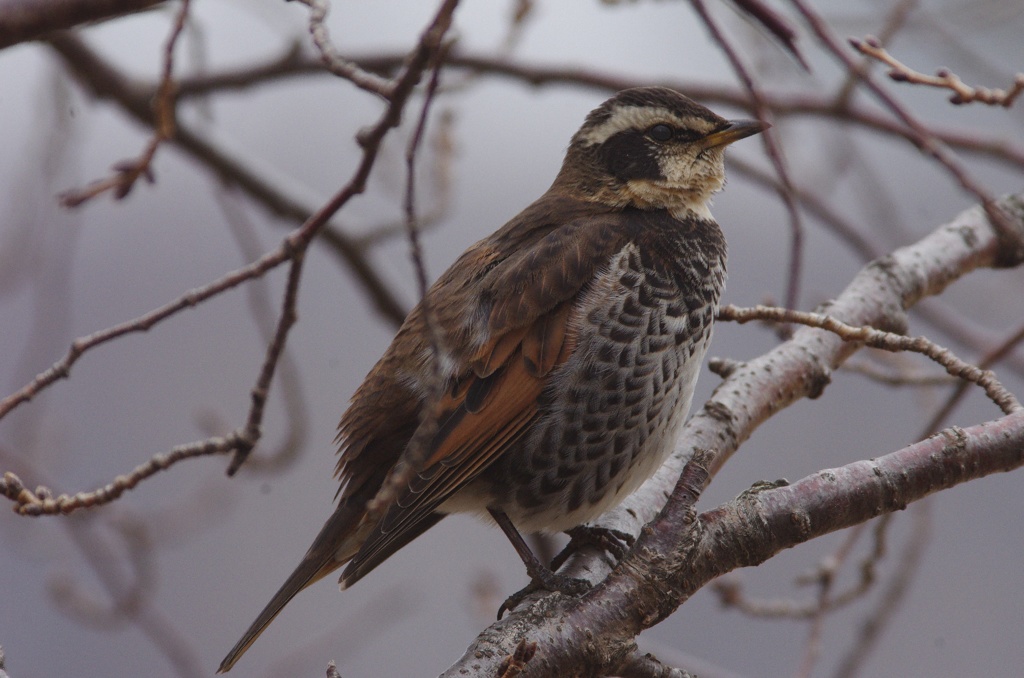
{"x": 660, "y": 132}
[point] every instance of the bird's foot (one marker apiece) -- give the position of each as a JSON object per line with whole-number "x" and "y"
{"x": 545, "y": 580}
{"x": 613, "y": 542}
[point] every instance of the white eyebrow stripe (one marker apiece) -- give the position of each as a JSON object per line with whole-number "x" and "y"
{"x": 639, "y": 117}
{"x": 626, "y": 117}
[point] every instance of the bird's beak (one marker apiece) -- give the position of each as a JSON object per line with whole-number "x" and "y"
{"x": 734, "y": 131}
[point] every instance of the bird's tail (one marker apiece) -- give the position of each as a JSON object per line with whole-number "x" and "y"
{"x": 333, "y": 547}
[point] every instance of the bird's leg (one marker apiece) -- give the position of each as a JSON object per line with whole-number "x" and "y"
{"x": 542, "y": 578}
{"x": 613, "y": 542}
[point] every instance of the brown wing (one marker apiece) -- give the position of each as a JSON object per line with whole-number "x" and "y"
{"x": 523, "y": 300}
{"x": 475, "y": 425}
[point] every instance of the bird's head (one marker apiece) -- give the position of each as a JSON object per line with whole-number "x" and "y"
{"x": 651, "y": 148}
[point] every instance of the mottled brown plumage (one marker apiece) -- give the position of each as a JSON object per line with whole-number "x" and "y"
{"x": 571, "y": 340}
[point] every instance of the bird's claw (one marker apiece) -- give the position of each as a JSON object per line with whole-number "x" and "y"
{"x": 613, "y": 542}
{"x": 552, "y": 581}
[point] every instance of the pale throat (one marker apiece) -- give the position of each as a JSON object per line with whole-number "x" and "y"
{"x": 681, "y": 203}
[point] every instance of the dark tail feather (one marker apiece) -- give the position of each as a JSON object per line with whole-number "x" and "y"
{"x": 376, "y": 549}
{"x": 321, "y": 559}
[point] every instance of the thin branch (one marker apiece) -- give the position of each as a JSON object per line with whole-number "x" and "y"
{"x": 41, "y": 501}
{"x": 297, "y": 417}
{"x": 297, "y": 240}
{"x": 334, "y": 61}
{"x": 127, "y": 172}
{"x": 999, "y": 353}
{"x": 886, "y": 341}
{"x": 62, "y": 368}
{"x": 943, "y": 79}
{"x": 370, "y": 140}
{"x": 894, "y": 21}
{"x": 261, "y": 391}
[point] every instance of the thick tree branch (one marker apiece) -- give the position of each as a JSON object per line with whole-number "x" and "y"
{"x": 593, "y": 634}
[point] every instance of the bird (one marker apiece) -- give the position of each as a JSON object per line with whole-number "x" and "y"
{"x": 545, "y": 375}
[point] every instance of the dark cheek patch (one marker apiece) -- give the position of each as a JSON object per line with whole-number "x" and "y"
{"x": 627, "y": 155}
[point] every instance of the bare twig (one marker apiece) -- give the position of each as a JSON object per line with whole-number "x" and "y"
{"x": 333, "y": 59}
{"x": 895, "y": 20}
{"x": 127, "y": 172}
{"x": 261, "y": 309}
{"x": 41, "y": 501}
{"x": 261, "y": 391}
{"x": 887, "y": 341}
{"x": 370, "y": 139}
{"x": 62, "y": 368}
{"x": 1013, "y": 341}
{"x": 944, "y": 78}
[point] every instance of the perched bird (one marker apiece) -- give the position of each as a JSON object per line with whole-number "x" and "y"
{"x": 560, "y": 356}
